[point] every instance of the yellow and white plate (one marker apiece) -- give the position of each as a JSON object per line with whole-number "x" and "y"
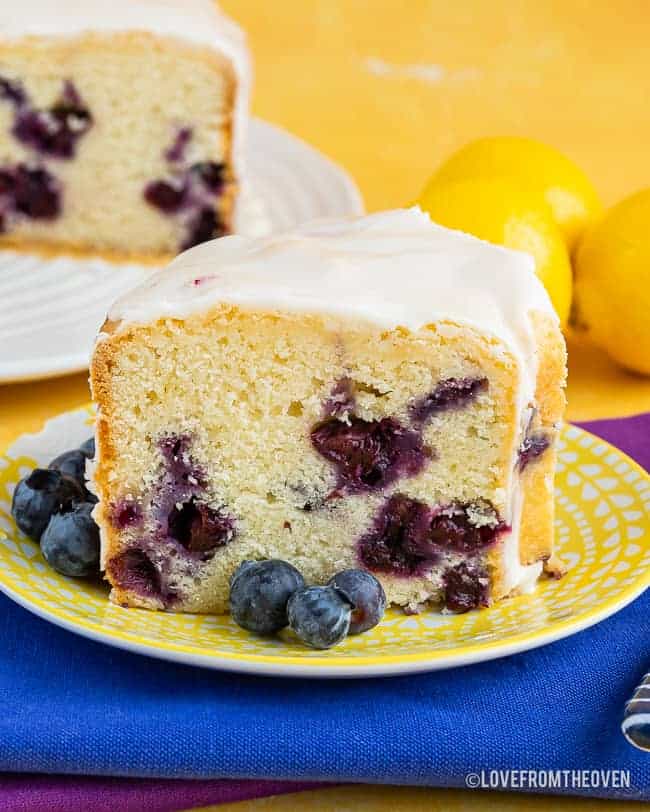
{"x": 603, "y": 520}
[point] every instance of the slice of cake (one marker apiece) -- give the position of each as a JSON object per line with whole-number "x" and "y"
{"x": 379, "y": 393}
{"x": 121, "y": 125}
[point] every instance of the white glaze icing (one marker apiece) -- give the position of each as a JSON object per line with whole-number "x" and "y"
{"x": 395, "y": 268}
{"x": 199, "y": 22}
{"x": 515, "y": 574}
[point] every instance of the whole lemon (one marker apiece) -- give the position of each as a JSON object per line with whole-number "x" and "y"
{"x": 565, "y": 187}
{"x": 612, "y": 277}
{"x": 503, "y": 212}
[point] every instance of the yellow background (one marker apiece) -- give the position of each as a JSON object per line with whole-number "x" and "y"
{"x": 390, "y": 88}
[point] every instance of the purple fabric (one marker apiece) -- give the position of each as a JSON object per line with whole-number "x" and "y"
{"x": 44, "y": 793}
{"x": 33, "y": 793}
{"x": 630, "y": 434}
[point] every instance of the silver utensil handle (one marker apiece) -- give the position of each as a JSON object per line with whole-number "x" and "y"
{"x": 636, "y": 718}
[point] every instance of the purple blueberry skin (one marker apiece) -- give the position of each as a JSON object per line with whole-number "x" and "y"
{"x": 199, "y": 528}
{"x": 31, "y": 191}
{"x": 210, "y": 174}
{"x": 533, "y": 446}
{"x": 181, "y": 514}
{"x": 176, "y": 151}
{"x": 36, "y": 193}
{"x": 369, "y": 455}
{"x": 365, "y": 594}
{"x": 342, "y": 399}
{"x": 187, "y": 191}
{"x": 204, "y": 226}
{"x": 407, "y": 536}
{"x": 39, "y": 496}
{"x": 319, "y": 616}
{"x": 466, "y": 587}
{"x": 451, "y": 393}
{"x": 167, "y": 197}
{"x": 133, "y": 571}
{"x": 126, "y": 513}
{"x": 54, "y": 132}
{"x": 259, "y": 592}
{"x": 70, "y": 542}
{"x": 88, "y": 448}
{"x": 12, "y": 91}
{"x": 398, "y": 541}
{"x": 453, "y": 531}
{"x": 72, "y": 464}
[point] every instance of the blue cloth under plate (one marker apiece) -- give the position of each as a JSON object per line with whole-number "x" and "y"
{"x": 68, "y": 705}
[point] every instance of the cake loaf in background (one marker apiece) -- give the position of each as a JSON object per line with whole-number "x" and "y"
{"x": 121, "y": 125}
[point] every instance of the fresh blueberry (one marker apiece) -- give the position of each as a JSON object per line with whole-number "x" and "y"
{"x": 244, "y": 567}
{"x": 70, "y": 542}
{"x": 259, "y": 591}
{"x": 366, "y": 595}
{"x": 88, "y": 448}
{"x": 72, "y": 464}
{"x": 319, "y": 615}
{"x": 39, "y": 496}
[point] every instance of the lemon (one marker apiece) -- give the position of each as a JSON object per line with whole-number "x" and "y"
{"x": 502, "y": 212}
{"x": 567, "y": 190}
{"x": 612, "y": 276}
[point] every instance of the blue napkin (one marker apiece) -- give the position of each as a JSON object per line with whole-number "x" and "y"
{"x": 68, "y": 705}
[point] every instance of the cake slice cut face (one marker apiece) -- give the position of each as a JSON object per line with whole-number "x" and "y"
{"x": 379, "y": 393}
{"x": 121, "y": 125}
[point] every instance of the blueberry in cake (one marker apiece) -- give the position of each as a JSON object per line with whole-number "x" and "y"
{"x": 377, "y": 393}
{"x": 121, "y": 125}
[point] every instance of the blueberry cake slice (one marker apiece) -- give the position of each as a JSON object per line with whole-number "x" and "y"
{"x": 121, "y": 125}
{"x": 379, "y": 393}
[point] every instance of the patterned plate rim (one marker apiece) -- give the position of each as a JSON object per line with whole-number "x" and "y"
{"x": 327, "y": 665}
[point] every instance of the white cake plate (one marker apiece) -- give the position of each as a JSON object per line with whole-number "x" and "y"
{"x": 50, "y": 309}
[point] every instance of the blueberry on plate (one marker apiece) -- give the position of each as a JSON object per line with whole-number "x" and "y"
{"x": 319, "y": 615}
{"x": 88, "y": 448}
{"x": 366, "y": 595}
{"x": 39, "y": 496}
{"x": 73, "y": 464}
{"x": 70, "y": 542}
{"x": 259, "y": 591}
